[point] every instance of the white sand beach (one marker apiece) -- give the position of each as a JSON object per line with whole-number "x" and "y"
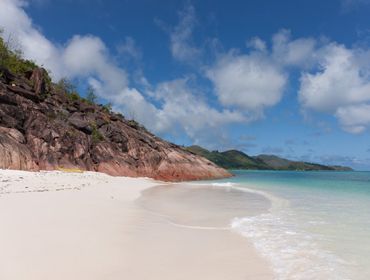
{"x": 90, "y": 226}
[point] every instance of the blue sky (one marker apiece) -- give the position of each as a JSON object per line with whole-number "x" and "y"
{"x": 290, "y": 78}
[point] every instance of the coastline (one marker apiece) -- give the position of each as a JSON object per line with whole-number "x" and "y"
{"x": 93, "y": 226}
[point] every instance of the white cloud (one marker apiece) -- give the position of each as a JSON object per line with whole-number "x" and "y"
{"x": 245, "y": 83}
{"x": 355, "y": 118}
{"x": 19, "y": 27}
{"x": 257, "y": 43}
{"x": 340, "y": 87}
{"x": 257, "y": 80}
{"x": 81, "y": 56}
{"x": 182, "y": 46}
{"x": 334, "y": 79}
{"x": 182, "y": 106}
{"x": 87, "y": 57}
{"x": 298, "y": 52}
{"x": 250, "y": 82}
{"x": 181, "y": 111}
{"x": 128, "y": 48}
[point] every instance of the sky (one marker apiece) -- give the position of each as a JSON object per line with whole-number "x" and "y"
{"x": 290, "y": 78}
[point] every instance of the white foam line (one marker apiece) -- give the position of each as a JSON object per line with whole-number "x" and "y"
{"x": 276, "y": 202}
{"x": 288, "y": 264}
{"x": 168, "y": 220}
{"x": 198, "y": 227}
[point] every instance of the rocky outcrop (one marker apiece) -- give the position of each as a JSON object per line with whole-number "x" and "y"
{"x": 43, "y": 128}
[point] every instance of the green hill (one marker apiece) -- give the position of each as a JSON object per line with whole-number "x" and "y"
{"x": 239, "y": 160}
{"x": 234, "y": 159}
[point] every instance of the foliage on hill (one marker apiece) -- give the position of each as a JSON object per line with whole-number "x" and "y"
{"x": 12, "y": 59}
{"x": 234, "y": 159}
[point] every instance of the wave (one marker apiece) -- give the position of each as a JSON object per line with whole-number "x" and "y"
{"x": 226, "y": 184}
{"x": 292, "y": 252}
{"x": 278, "y": 236}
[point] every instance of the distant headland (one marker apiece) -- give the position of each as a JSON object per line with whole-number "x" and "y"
{"x": 234, "y": 159}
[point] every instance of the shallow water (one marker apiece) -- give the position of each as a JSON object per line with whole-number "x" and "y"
{"x": 185, "y": 233}
{"x": 204, "y": 206}
{"x": 318, "y": 225}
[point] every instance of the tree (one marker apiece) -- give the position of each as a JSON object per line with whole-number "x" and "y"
{"x": 91, "y": 96}
{"x": 3, "y": 49}
{"x": 107, "y": 107}
{"x": 66, "y": 86}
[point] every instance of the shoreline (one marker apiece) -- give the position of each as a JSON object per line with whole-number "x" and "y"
{"x": 90, "y": 226}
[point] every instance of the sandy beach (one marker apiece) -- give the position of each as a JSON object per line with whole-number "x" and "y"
{"x": 90, "y": 226}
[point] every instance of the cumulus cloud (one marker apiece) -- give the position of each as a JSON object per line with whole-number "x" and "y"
{"x": 81, "y": 56}
{"x": 196, "y": 115}
{"x": 181, "y": 112}
{"x": 334, "y": 79}
{"x": 257, "y": 43}
{"x": 338, "y": 82}
{"x": 19, "y": 27}
{"x": 87, "y": 57}
{"x": 354, "y": 118}
{"x": 257, "y": 79}
{"x": 250, "y": 82}
{"x": 298, "y": 52}
{"x": 340, "y": 87}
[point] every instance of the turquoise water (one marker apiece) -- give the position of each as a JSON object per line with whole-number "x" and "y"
{"x": 318, "y": 226}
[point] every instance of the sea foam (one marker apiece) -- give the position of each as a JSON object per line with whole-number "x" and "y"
{"x": 316, "y": 226}
{"x": 292, "y": 252}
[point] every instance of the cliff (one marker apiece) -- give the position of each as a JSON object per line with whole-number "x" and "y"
{"x": 43, "y": 126}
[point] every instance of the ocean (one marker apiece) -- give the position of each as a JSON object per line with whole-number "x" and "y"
{"x": 317, "y": 225}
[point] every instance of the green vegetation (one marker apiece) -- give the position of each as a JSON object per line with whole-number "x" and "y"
{"x": 278, "y": 163}
{"x": 133, "y": 124}
{"x": 90, "y": 95}
{"x": 96, "y": 135}
{"x": 66, "y": 86}
{"x": 70, "y": 89}
{"x": 74, "y": 96}
{"x": 48, "y": 84}
{"x": 107, "y": 107}
{"x": 13, "y": 60}
{"x": 120, "y": 115}
{"x": 239, "y": 160}
{"x": 230, "y": 159}
{"x": 234, "y": 159}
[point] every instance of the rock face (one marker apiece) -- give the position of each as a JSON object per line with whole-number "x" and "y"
{"x": 43, "y": 128}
